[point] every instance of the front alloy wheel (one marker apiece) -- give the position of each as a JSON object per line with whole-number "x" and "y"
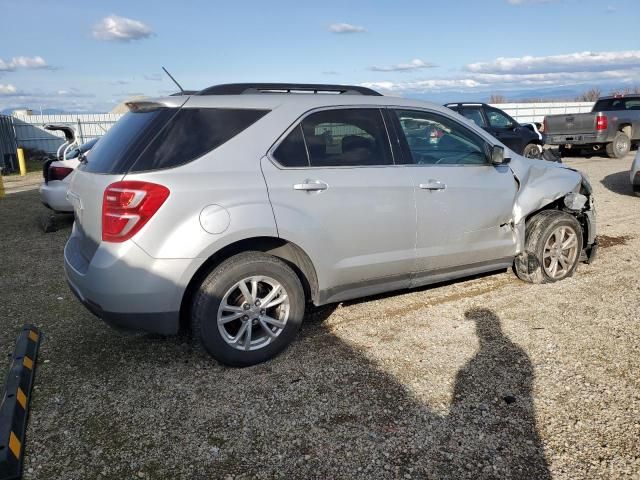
{"x": 560, "y": 252}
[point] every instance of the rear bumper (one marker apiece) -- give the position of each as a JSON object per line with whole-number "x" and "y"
{"x": 54, "y": 196}
{"x": 576, "y": 139}
{"x": 164, "y": 323}
{"x": 126, "y": 287}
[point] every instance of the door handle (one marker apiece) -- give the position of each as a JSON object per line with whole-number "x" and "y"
{"x": 311, "y": 186}
{"x": 433, "y": 185}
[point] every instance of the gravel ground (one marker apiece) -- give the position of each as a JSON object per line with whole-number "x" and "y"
{"x": 483, "y": 378}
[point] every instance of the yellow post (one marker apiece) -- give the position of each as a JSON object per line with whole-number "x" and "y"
{"x": 1, "y": 185}
{"x": 22, "y": 163}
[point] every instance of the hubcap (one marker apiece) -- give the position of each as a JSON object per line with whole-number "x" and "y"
{"x": 532, "y": 152}
{"x": 253, "y": 313}
{"x": 560, "y": 252}
{"x": 622, "y": 146}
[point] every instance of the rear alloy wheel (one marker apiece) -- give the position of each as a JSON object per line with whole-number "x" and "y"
{"x": 552, "y": 248}
{"x": 532, "y": 151}
{"x": 248, "y": 309}
{"x": 620, "y": 146}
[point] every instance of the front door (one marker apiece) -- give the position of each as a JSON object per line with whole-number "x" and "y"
{"x": 464, "y": 204}
{"x": 337, "y": 194}
{"x": 505, "y": 129}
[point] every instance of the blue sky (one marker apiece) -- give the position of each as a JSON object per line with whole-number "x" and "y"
{"x": 89, "y": 55}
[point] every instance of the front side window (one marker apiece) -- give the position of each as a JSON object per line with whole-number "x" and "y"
{"x": 432, "y": 139}
{"x": 347, "y": 138}
{"x": 498, "y": 119}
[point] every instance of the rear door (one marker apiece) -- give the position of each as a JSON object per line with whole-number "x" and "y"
{"x": 505, "y": 129}
{"x": 464, "y": 204}
{"x": 336, "y": 193}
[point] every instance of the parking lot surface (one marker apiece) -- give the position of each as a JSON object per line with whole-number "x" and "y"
{"x": 488, "y": 377}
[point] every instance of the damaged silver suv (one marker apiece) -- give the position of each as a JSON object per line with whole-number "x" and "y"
{"x": 232, "y": 209}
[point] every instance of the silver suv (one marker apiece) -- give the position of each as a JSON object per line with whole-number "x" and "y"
{"x": 234, "y": 208}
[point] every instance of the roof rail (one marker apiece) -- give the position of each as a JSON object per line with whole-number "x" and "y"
{"x": 252, "y": 88}
{"x": 183, "y": 93}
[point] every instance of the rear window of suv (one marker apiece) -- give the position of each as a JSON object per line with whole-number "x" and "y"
{"x": 166, "y": 138}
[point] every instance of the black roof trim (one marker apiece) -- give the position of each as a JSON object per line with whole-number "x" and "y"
{"x": 183, "y": 93}
{"x": 462, "y": 104}
{"x": 249, "y": 88}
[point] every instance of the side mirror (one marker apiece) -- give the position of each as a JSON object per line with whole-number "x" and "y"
{"x": 497, "y": 156}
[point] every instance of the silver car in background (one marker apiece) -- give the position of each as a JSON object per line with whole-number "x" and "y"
{"x": 234, "y": 208}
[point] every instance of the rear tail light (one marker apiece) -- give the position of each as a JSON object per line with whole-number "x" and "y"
{"x": 602, "y": 122}
{"x": 59, "y": 173}
{"x": 544, "y": 127}
{"x": 127, "y": 206}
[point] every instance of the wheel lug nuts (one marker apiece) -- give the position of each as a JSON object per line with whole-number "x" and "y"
{"x": 257, "y": 303}
{"x": 262, "y": 312}
{"x": 245, "y": 318}
{"x": 246, "y": 306}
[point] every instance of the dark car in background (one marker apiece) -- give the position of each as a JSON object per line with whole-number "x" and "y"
{"x": 523, "y": 139}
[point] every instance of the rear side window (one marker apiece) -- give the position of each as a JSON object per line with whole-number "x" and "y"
{"x": 292, "y": 152}
{"x": 347, "y": 137}
{"x": 191, "y": 133}
{"x": 166, "y": 138}
{"x": 350, "y": 137}
{"x": 475, "y": 115}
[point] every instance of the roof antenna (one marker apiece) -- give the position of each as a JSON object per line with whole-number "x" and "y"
{"x": 174, "y": 80}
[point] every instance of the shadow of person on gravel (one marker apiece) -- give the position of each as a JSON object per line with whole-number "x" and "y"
{"x": 492, "y": 420}
{"x": 619, "y": 183}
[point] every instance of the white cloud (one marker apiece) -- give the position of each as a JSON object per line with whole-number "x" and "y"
{"x": 345, "y": 28}
{"x": 573, "y": 62}
{"x": 415, "y": 64}
{"x": 490, "y": 82}
{"x": 115, "y": 28}
{"x": 153, "y": 77}
{"x": 7, "y": 89}
{"x": 27, "y": 63}
{"x": 420, "y": 86}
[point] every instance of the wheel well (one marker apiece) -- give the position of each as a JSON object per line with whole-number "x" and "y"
{"x": 626, "y": 129}
{"x": 291, "y": 253}
{"x": 559, "y": 205}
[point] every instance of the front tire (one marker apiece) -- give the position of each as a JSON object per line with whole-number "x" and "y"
{"x": 620, "y": 146}
{"x": 532, "y": 150}
{"x": 248, "y": 309}
{"x": 552, "y": 248}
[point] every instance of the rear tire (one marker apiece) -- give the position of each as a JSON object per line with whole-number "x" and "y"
{"x": 242, "y": 325}
{"x": 552, "y": 248}
{"x": 620, "y": 146}
{"x": 566, "y": 152}
{"x": 532, "y": 150}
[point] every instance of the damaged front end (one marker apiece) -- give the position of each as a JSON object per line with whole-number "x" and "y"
{"x": 552, "y": 186}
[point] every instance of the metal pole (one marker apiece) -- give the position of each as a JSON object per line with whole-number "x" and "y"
{"x": 22, "y": 163}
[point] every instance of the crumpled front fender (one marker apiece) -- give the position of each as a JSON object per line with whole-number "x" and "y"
{"x": 541, "y": 183}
